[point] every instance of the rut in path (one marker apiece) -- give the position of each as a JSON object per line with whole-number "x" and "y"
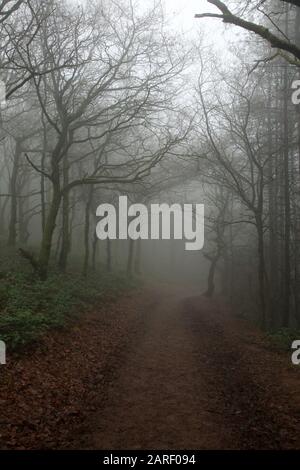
{"x": 195, "y": 378}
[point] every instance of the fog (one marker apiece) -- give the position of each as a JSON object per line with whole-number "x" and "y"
{"x": 149, "y": 230}
{"x": 105, "y": 99}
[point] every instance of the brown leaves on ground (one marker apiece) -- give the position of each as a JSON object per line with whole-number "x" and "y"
{"x": 49, "y": 392}
{"x": 156, "y": 369}
{"x": 254, "y": 388}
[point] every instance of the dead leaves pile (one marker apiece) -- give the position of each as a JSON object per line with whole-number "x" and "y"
{"x": 48, "y": 393}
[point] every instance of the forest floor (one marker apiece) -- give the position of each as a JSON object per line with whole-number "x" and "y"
{"x": 160, "y": 368}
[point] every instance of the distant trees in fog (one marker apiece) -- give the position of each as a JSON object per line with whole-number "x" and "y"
{"x": 104, "y": 100}
{"x": 252, "y": 136}
{"x": 93, "y": 89}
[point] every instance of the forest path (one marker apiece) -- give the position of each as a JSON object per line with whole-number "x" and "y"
{"x": 194, "y": 377}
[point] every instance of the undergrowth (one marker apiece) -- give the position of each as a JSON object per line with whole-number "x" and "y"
{"x": 284, "y": 337}
{"x": 29, "y": 307}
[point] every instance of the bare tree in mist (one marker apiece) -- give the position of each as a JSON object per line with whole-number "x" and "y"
{"x": 274, "y": 35}
{"x": 250, "y": 137}
{"x": 102, "y": 100}
{"x": 103, "y": 103}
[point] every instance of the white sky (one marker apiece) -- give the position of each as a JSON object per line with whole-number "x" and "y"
{"x": 181, "y": 14}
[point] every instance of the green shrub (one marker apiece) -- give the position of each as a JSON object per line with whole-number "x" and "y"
{"x": 283, "y": 338}
{"x": 21, "y": 327}
{"x": 29, "y": 307}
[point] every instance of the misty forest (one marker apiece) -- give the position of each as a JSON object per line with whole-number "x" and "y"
{"x": 141, "y": 343}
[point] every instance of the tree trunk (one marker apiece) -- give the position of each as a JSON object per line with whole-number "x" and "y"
{"x": 137, "y": 262}
{"x": 45, "y": 250}
{"x": 261, "y": 270}
{"x": 2, "y": 215}
{"x": 42, "y": 183}
{"x": 287, "y": 210}
{"x": 94, "y": 252}
{"x": 23, "y": 224}
{"x": 12, "y": 232}
{"x": 87, "y": 232}
{"x": 273, "y": 218}
{"x": 130, "y": 257}
{"x": 108, "y": 255}
{"x": 65, "y": 243}
{"x": 211, "y": 276}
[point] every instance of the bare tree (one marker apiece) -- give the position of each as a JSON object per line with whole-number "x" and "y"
{"x": 87, "y": 111}
{"x": 276, "y": 39}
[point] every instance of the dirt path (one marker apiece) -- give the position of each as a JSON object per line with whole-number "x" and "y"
{"x": 195, "y": 378}
{"x": 156, "y": 369}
